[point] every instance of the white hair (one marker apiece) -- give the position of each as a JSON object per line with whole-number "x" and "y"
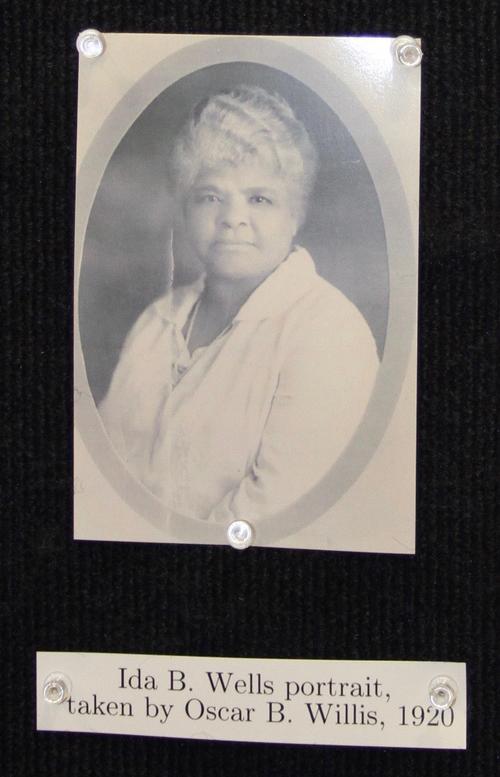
{"x": 231, "y": 127}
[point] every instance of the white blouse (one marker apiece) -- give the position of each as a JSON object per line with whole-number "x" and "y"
{"x": 248, "y": 424}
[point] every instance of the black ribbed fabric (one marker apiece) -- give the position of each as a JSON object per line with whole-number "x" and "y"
{"x": 58, "y": 594}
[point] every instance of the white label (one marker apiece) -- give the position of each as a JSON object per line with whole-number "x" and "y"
{"x": 361, "y": 703}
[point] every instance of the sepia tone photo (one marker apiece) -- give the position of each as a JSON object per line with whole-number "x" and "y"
{"x": 234, "y": 299}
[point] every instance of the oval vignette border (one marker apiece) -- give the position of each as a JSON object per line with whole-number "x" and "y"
{"x": 402, "y": 306}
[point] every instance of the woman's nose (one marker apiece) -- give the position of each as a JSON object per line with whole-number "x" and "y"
{"x": 234, "y": 212}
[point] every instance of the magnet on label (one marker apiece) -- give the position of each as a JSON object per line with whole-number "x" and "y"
{"x": 443, "y": 692}
{"x": 56, "y": 688}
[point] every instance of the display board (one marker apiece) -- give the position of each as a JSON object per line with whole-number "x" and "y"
{"x": 350, "y": 628}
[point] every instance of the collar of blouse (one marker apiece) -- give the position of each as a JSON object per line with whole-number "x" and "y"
{"x": 288, "y": 283}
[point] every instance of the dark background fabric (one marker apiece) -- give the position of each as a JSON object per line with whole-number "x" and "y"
{"x": 58, "y": 594}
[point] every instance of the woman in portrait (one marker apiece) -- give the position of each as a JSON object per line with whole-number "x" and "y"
{"x": 235, "y": 395}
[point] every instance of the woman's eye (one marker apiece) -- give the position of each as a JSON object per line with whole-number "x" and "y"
{"x": 259, "y": 198}
{"x": 200, "y": 199}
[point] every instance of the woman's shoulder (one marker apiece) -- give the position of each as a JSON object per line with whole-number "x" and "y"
{"x": 327, "y": 294}
{"x": 313, "y": 291}
{"x": 325, "y": 320}
{"x": 324, "y": 301}
{"x": 171, "y": 307}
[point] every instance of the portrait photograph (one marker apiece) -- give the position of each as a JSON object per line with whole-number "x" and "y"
{"x": 246, "y": 265}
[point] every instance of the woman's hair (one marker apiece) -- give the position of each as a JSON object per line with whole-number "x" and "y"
{"x": 235, "y": 126}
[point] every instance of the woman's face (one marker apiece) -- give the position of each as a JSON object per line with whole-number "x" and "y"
{"x": 239, "y": 220}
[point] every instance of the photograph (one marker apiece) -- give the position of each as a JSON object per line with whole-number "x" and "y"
{"x": 234, "y": 299}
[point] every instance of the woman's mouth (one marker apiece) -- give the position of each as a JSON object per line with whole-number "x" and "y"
{"x": 233, "y": 243}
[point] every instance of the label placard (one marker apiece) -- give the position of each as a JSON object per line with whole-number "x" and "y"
{"x": 358, "y": 703}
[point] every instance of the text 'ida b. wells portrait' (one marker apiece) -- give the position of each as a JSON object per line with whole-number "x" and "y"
{"x": 245, "y": 292}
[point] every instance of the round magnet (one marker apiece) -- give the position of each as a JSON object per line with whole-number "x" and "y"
{"x": 56, "y": 688}
{"x": 240, "y": 534}
{"x": 406, "y": 51}
{"x": 91, "y": 43}
{"x": 443, "y": 692}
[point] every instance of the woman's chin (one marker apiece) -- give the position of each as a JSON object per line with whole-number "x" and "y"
{"x": 234, "y": 263}
{"x": 231, "y": 264}
{"x": 231, "y": 254}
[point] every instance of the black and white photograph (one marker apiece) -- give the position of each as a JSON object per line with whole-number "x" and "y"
{"x": 245, "y": 292}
